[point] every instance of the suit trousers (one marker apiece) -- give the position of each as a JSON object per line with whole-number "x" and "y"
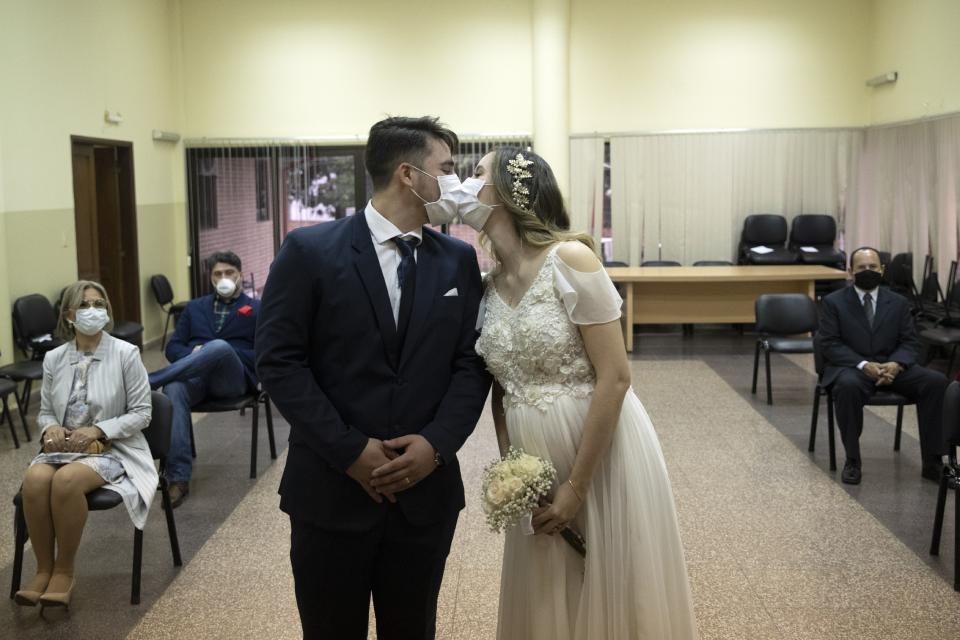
{"x": 399, "y": 563}
{"x": 852, "y": 389}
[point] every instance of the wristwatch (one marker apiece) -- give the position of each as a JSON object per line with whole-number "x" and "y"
{"x": 437, "y": 458}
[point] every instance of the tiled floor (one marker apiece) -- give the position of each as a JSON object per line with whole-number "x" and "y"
{"x": 776, "y": 546}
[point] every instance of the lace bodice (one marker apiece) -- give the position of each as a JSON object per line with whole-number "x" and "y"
{"x": 534, "y": 349}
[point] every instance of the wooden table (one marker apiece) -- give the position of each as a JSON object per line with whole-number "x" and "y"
{"x": 688, "y": 295}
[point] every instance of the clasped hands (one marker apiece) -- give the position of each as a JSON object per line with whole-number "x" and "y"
{"x": 882, "y": 374}
{"x": 387, "y": 467}
{"x": 59, "y": 440}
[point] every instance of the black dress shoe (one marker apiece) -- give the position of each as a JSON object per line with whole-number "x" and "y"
{"x": 851, "y": 472}
{"x": 932, "y": 471}
{"x": 178, "y": 493}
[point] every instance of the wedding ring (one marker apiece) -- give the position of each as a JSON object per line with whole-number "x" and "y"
{"x": 407, "y": 481}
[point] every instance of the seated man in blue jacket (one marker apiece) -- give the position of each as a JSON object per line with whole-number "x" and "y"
{"x": 212, "y": 356}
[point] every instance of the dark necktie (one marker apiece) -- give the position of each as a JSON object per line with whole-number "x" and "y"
{"x": 407, "y": 279}
{"x": 868, "y": 308}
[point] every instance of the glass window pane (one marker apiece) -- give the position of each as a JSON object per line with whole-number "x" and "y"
{"x": 317, "y": 188}
{"x": 230, "y": 216}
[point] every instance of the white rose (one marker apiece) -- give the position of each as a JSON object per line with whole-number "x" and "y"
{"x": 496, "y": 494}
{"x": 529, "y": 467}
{"x": 513, "y": 486}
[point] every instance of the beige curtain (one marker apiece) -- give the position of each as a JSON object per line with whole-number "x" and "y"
{"x": 907, "y": 192}
{"x": 683, "y": 197}
{"x": 586, "y": 186}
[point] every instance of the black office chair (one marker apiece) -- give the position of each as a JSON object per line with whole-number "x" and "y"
{"x": 781, "y": 318}
{"x": 8, "y": 387}
{"x": 163, "y": 293}
{"x": 878, "y": 399}
{"x": 241, "y": 404}
{"x": 660, "y": 263}
{"x": 766, "y": 230}
{"x": 712, "y": 263}
{"x": 34, "y": 323}
{"x": 614, "y": 263}
{"x": 950, "y": 479}
{"x": 158, "y": 437}
{"x": 818, "y": 232}
{"x": 945, "y": 334}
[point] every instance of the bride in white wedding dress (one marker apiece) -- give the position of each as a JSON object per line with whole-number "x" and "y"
{"x": 552, "y": 339}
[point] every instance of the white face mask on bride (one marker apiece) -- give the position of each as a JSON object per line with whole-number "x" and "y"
{"x": 473, "y": 212}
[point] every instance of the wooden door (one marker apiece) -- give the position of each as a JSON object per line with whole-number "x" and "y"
{"x": 106, "y": 221}
{"x": 85, "y": 213}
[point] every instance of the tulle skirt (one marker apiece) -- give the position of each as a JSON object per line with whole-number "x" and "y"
{"x": 633, "y": 584}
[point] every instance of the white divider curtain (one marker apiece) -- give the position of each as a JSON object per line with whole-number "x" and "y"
{"x": 586, "y": 186}
{"x": 907, "y": 192}
{"x": 683, "y": 197}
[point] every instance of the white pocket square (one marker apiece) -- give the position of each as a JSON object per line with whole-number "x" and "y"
{"x": 452, "y": 292}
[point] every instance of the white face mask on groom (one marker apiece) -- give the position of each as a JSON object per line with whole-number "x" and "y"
{"x": 444, "y": 209}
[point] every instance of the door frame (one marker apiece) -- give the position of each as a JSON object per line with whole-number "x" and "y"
{"x": 127, "y": 196}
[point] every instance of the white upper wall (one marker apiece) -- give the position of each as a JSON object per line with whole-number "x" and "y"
{"x": 687, "y": 64}
{"x": 62, "y": 63}
{"x": 918, "y": 39}
{"x": 332, "y": 68}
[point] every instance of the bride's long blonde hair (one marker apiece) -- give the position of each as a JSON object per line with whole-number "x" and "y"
{"x": 543, "y": 221}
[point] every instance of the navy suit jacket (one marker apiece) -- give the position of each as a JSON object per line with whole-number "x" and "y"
{"x": 846, "y": 339}
{"x": 196, "y": 326}
{"x": 328, "y": 354}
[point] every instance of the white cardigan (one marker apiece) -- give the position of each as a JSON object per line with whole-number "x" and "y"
{"x": 118, "y": 395}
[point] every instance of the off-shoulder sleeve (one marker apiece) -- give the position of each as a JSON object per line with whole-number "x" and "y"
{"x": 590, "y": 298}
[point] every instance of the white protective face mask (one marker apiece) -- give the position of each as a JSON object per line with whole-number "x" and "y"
{"x": 472, "y": 211}
{"x": 90, "y": 322}
{"x": 226, "y": 287}
{"x": 444, "y": 210}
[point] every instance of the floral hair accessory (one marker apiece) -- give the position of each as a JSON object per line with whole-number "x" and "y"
{"x": 517, "y": 167}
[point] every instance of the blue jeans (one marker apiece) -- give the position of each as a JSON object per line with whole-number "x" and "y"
{"x": 213, "y": 371}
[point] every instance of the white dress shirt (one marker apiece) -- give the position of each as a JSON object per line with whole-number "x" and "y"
{"x": 873, "y": 296}
{"x": 382, "y": 231}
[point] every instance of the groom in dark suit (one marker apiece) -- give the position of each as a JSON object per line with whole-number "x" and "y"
{"x": 366, "y": 344}
{"x": 868, "y": 338}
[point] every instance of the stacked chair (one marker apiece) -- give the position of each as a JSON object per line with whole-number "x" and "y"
{"x": 950, "y": 481}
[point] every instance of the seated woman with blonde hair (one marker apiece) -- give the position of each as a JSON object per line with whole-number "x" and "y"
{"x": 94, "y": 403}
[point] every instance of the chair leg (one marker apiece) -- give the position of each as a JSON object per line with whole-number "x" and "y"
{"x": 766, "y": 353}
{"x": 24, "y": 399}
{"x": 193, "y": 442}
{"x": 833, "y": 446}
{"x": 814, "y": 418}
{"x": 756, "y": 367}
{"x": 20, "y": 539}
{"x": 171, "y": 524}
{"x": 23, "y": 420}
{"x": 269, "y": 411}
{"x": 956, "y": 540}
{"x": 9, "y": 420}
{"x": 254, "y": 433}
{"x": 166, "y": 326}
{"x": 896, "y": 437}
{"x": 938, "y": 517}
{"x": 137, "y": 564}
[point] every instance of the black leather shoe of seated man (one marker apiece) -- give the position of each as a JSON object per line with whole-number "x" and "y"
{"x": 178, "y": 493}
{"x": 851, "y": 472}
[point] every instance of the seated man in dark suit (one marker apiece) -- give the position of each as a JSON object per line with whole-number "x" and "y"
{"x": 869, "y": 341}
{"x": 212, "y": 355}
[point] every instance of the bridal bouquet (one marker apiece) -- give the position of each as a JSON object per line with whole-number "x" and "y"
{"x": 513, "y": 486}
